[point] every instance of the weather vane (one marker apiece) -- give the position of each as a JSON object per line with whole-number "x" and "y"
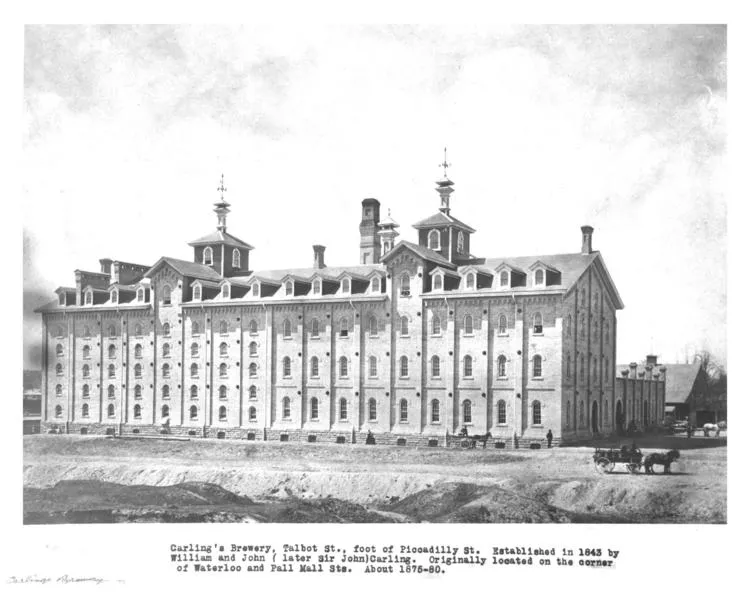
{"x": 221, "y": 188}
{"x": 445, "y": 164}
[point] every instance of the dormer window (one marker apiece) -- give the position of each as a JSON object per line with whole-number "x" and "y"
{"x": 208, "y": 256}
{"x": 437, "y": 285}
{"x": 470, "y": 281}
{"x": 289, "y": 288}
{"x": 113, "y": 297}
{"x": 226, "y": 291}
{"x": 316, "y": 286}
{"x": 538, "y": 277}
{"x": 140, "y": 295}
{"x": 62, "y": 299}
{"x": 346, "y": 286}
{"x": 433, "y": 240}
{"x": 235, "y": 258}
{"x": 504, "y": 279}
{"x": 461, "y": 243}
{"x": 256, "y": 289}
{"x": 197, "y": 292}
{"x": 88, "y": 298}
{"x": 375, "y": 285}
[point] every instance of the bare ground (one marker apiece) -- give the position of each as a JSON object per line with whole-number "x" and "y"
{"x": 98, "y": 479}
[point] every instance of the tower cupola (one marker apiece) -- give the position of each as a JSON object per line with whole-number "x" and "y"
{"x": 388, "y": 234}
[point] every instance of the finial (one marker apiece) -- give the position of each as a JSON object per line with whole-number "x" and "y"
{"x": 445, "y": 164}
{"x": 221, "y": 188}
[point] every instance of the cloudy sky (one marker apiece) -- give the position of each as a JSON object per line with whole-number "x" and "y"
{"x": 128, "y": 129}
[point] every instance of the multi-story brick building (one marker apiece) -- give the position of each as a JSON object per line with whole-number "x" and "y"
{"x": 409, "y": 346}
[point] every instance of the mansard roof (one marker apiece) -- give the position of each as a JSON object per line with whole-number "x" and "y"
{"x": 186, "y": 269}
{"x": 421, "y": 252}
{"x": 440, "y": 219}
{"x": 571, "y": 266}
{"x": 221, "y": 237}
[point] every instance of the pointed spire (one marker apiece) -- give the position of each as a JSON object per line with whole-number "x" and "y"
{"x": 222, "y": 207}
{"x": 445, "y": 188}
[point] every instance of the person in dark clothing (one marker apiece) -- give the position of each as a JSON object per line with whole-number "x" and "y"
{"x": 549, "y": 438}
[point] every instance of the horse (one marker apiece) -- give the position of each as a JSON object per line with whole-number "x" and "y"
{"x": 708, "y": 427}
{"x": 480, "y": 438}
{"x": 660, "y": 458}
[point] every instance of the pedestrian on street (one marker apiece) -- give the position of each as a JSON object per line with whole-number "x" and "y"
{"x": 549, "y": 438}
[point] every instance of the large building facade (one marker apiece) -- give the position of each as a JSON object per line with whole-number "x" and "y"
{"x": 410, "y": 346}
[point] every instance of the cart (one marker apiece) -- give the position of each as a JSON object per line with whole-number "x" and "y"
{"x": 606, "y": 459}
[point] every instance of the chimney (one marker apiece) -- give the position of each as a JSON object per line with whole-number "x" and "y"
{"x": 651, "y": 359}
{"x": 633, "y": 370}
{"x": 587, "y": 239}
{"x": 319, "y": 257}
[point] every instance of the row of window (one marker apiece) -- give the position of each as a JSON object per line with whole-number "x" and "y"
{"x": 236, "y": 257}
{"x": 605, "y": 368}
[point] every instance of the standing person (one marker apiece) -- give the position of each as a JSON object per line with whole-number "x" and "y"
{"x": 689, "y": 430}
{"x": 549, "y": 438}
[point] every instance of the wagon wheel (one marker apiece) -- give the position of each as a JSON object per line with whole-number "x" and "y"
{"x": 604, "y": 465}
{"x": 633, "y": 468}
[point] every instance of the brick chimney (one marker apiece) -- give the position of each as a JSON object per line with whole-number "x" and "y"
{"x": 587, "y": 239}
{"x": 651, "y": 359}
{"x": 633, "y": 370}
{"x": 319, "y": 257}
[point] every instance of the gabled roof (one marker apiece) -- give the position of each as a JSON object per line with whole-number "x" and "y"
{"x": 221, "y": 237}
{"x": 443, "y": 271}
{"x": 544, "y": 265}
{"x": 421, "y": 252}
{"x": 63, "y": 288}
{"x": 680, "y": 380}
{"x": 506, "y": 265}
{"x": 440, "y": 219}
{"x": 185, "y": 268}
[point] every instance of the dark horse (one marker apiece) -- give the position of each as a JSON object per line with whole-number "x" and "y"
{"x": 660, "y": 458}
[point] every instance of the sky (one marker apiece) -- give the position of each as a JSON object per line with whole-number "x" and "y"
{"x": 127, "y": 130}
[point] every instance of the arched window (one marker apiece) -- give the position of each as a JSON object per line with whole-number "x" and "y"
{"x": 343, "y": 409}
{"x": 372, "y": 326}
{"x": 86, "y": 351}
{"x": 86, "y": 371}
{"x": 58, "y": 412}
{"x": 582, "y": 367}
{"x": 165, "y": 391}
{"x": 372, "y": 409}
{"x": 436, "y": 325}
{"x": 435, "y": 366}
{"x": 606, "y": 331}
{"x": 253, "y": 348}
{"x": 344, "y": 327}
{"x": 468, "y": 325}
{"x": 58, "y": 390}
{"x": 235, "y": 258}
{"x": 222, "y": 370}
{"x": 253, "y": 327}
{"x": 138, "y": 371}
{"x": 595, "y": 369}
{"x": 136, "y": 411}
{"x": 84, "y": 411}
{"x": 286, "y": 366}
{"x": 286, "y": 328}
{"x": 537, "y": 370}
{"x": 165, "y": 371}
{"x": 470, "y": 281}
{"x": 138, "y": 329}
{"x": 538, "y": 323}
{"x": 166, "y": 350}
{"x": 222, "y": 392}
{"x": 502, "y": 325}
{"x": 343, "y": 366}
{"x": 314, "y": 367}
{"x": 166, "y": 295}
{"x": 461, "y": 243}
{"x": 286, "y": 407}
{"x": 373, "y": 366}
{"x": 59, "y": 332}
{"x": 222, "y": 413}
{"x": 195, "y": 328}
{"x": 433, "y": 240}
{"x": 193, "y": 412}
{"x": 404, "y": 325}
{"x": 536, "y": 412}
{"x": 59, "y": 350}
{"x": 404, "y": 366}
{"x": 111, "y": 371}
{"x": 193, "y": 392}
{"x": 166, "y": 330}
{"x": 253, "y": 369}
{"x": 502, "y": 366}
{"x": 140, "y": 295}
{"x": 504, "y": 279}
{"x": 112, "y": 351}
{"x": 88, "y": 298}
{"x": 435, "y": 411}
{"x": 569, "y": 365}
{"x": 223, "y": 349}
{"x": 539, "y": 277}
{"x": 346, "y": 285}
{"x": 197, "y": 292}
{"x": 226, "y": 291}
{"x": 138, "y": 392}
{"x": 208, "y": 256}
{"x": 315, "y": 328}
{"x": 194, "y": 349}
{"x": 437, "y": 282}
{"x": 467, "y": 366}
{"x": 223, "y": 328}
{"x": 164, "y": 411}
{"x": 314, "y": 408}
{"x": 466, "y": 411}
{"x": 58, "y": 369}
{"x": 606, "y": 369}
{"x": 110, "y": 391}
{"x": 405, "y": 284}
{"x": 253, "y": 392}
{"x": 316, "y": 287}
{"x": 111, "y": 331}
{"x": 595, "y": 302}
{"x": 253, "y": 413}
{"x": 404, "y": 410}
{"x": 375, "y": 285}
{"x": 256, "y": 289}
{"x": 289, "y": 289}
{"x": 501, "y": 413}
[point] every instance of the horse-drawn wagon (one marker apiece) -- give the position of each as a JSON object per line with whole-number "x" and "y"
{"x": 606, "y": 459}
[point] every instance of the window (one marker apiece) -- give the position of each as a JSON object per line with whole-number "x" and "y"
{"x": 194, "y": 349}
{"x": 253, "y": 392}
{"x": 372, "y": 326}
{"x": 286, "y": 407}
{"x": 256, "y": 289}
{"x": 538, "y": 323}
{"x": 136, "y": 411}
{"x": 164, "y": 411}
{"x": 253, "y": 327}
{"x": 316, "y": 287}
{"x": 195, "y": 328}
{"x": 569, "y": 365}
{"x": 140, "y": 295}
{"x": 208, "y": 256}
{"x": 435, "y": 366}
{"x": 315, "y": 328}
{"x": 166, "y": 295}
{"x": 286, "y": 366}
{"x": 314, "y": 409}
{"x": 286, "y": 328}
{"x": 470, "y": 281}
{"x": 222, "y": 392}
{"x": 193, "y": 412}
{"x": 58, "y": 369}
{"x": 582, "y": 413}
{"x": 86, "y": 371}
{"x": 372, "y": 409}
{"x": 502, "y": 325}
{"x": 113, "y": 296}
{"x": 467, "y": 366}
{"x": 536, "y": 412}
{"x": 461, "y": 243}
{"x": 253, "y": 369}
{"x": 86, "y": 351}
{"x": 346, "y": 285}
{"x": 59, "y": 351}
{"x": 343, "y": 366}
{"x": 502, "y": 366}
{"x": 404, "y": 325}
{"x": 166, "y": 350}
{"x": 595, "y": 369}
{"x": 138, "y": 392}
{"x": 582, "y": 367}
{"x": 468, "y": 325}
{"x": 223, "y": 349}
{"x": 111, "y": 371}
{"x": 222, "y": 370}
{"x": 88, "y": 298}
{"x": 405, "y": 284}
{"x": 466, "y": 411}
{"x": 289, "y": 289}
{"x": 372, "y": 366}
{"x": 435, "y": 411}
{"x": 314, "y": 367}
{"x": 111, "y": 331}
{"x": 110, "y": 391}
{"x": 404, "y": 366}
{"x": 58, "y": 390}
{"x": 253, "y": 413}
{"x": 504, "y": 278}
{"x": 226, "y": 291}
{"x": 223, "y": 328}
{"x": 84, "y": 411}
{"x": 437, "y": 282}
{"x": 501, "y": 413}
{"x": 222, "y": 413}
{"x": 376, "y": 285}
{"x": 403, "y": 411}
{"x": 433, "y": 240}
{"x": 112, "y": 351}
{"x": 58, "y": 412}
{"x": 436, "y": 325}
{"x": 253, "y": 348}
{"x": 165, "y": 391}
{"x": 193, "y": 392}
{"x": 167, "y": 330}
{"x": 197, "y": 292}
{"x": 343, "y": 409}
{"x": 235, "y": 258}
{"x": 537, "y": 371}
{"x": 85, "y": 391}
{"x": 595, "y": 302}
{"x": 606, "y": 331}
{"x": 138, "y": 329}
{"x": 61, "y": 299}
{"x": 344, "y": 327}
{"x": 539, "y": 277}
{"x": 606, "y": 369}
